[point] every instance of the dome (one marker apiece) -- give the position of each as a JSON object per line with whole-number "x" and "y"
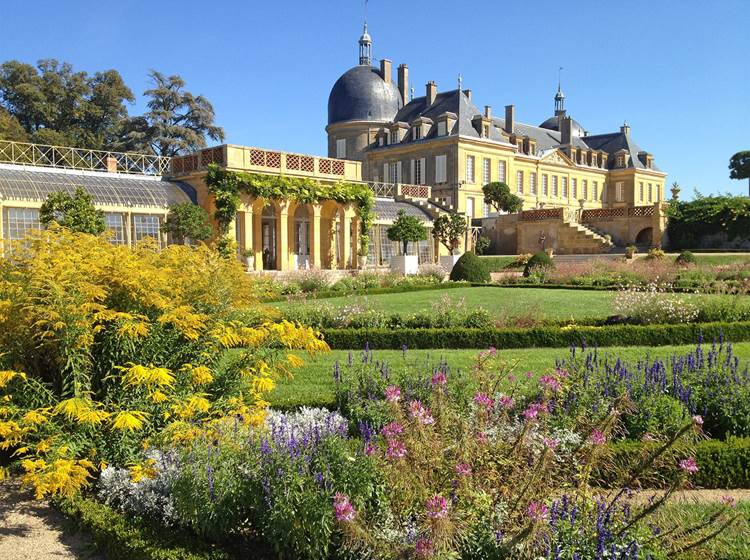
{"x": 553, "y": 123}
{"x": 362, "y": 95}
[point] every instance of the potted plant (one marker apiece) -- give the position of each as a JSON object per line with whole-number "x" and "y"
{"x": 448, "y": 229}
{"x": 630, "y": 251}
{"x": 248, "y": 257}
{"x": 362, "y": 256}
{"x": 404, "y": 230}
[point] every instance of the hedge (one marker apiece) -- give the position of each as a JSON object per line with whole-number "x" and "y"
{"x": 721, "y": 464}
{"x": 537, "y": 337}
{"x": 325, "y": 294}
{"x": 125, "y": 538}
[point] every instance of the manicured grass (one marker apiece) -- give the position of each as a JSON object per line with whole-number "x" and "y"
{"x": 313, "y": 383}
{"x": 498, "y": 263}
{"x": 500, "y": 302}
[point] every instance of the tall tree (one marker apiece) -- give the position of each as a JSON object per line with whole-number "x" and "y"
{"x": 177, "y": 121}
{"x": 449, "y": 229}
{"x": 187, "y": 221}
{"x": 10, "y": 128}
{"x": 56, "y": 105}
{"x": 75, "y": 212}
{"x": 499, "y": 196}
{"x": 739, "y": 167}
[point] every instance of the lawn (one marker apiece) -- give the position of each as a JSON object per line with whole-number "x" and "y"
{"x": 313, "y": 384}
{"x": 534, "y": 303}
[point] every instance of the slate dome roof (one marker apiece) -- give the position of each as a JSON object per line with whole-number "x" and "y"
{"x": 553, "y": 123}
{"x": 361, "y": 94}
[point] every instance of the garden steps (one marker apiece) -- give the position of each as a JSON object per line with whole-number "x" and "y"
{"x": 578, "y": 239}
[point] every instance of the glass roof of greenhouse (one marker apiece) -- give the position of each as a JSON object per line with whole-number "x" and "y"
{"x": 110, "y": 189}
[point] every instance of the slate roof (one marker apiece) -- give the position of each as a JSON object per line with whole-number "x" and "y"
{"x": 361, "y": 94}
{"x": 387, "y": 210}
{"x": 615, "y": 142}
{"x": 33, "y": 183}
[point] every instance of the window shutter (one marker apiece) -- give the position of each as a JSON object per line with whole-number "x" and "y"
{"x": 423, "y": 167}
{"x": 398, "y": 172}
{"x": 413, "y": 174}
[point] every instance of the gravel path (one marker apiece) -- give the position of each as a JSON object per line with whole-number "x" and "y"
{"x": 33, "y": 530}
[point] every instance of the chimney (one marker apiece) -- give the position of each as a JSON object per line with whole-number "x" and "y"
{"x": 468, "y": 94}
{"x": 111, "y": 164}
{"x": 431, "y": 92}
{"x": 488, "y": 111}
{"x": 510, "y": 119}
{"x": 625, "y": 128}
{"x": 403, "y": 82}
{"x": 385, "y": 70}
{"x": 566, "y": 130}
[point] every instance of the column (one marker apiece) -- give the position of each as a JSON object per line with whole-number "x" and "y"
{"x": 129, "y": 228}
{"x": 316, "y": 238}
{"x": 355, "y": 241}
{"x": 257, "y": 241}
{"x": 2, "y": 229}
{"x": 164, "y": 238}
{"x": 247, "y": 238}
{"x": 346, "y": 241}
{"x": 282, "y": 236}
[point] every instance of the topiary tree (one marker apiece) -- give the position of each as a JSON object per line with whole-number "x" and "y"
{"x": 739, "y": 166}
{"x": 470, "y": 268}
{"x": 498, "y": 195}
{"x": 187, "y": 221}
{"x": 405, "y": 229}
{"x": 448, "y": 229}
{"x": 75, "y": 212}
{"x": 482, "y": 245}
{"x": 539, "y": 261}
{"x": 685, "y": 258}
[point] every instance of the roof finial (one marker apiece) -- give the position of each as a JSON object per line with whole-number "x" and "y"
{"x": 460, "y": 82}
{"x": 412, "y": 93}
{"x": 365, "y": 44}
{"x": 559, "y": 96}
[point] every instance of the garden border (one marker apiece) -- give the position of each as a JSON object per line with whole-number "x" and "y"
{"x": 328, "y": 294}
{"x": 550, "y": 337}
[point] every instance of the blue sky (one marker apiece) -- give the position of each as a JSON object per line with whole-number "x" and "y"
{"x": 676, "y": 70}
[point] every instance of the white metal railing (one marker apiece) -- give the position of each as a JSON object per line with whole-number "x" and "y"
{"x": 383, "y": 190}
{"x": 40, "y": 155}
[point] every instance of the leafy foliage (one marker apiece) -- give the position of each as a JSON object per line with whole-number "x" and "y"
{"x": 407, "y": 229}
{"x": 482, "y": 245}
{"x": 739, "y": 165}
{"x": 177, "y": 121}
{"x": 470, "y": 268}
{"x": 689, "y": 221}
{"x": 227, "y": 185}
{"x": 448, "y": 229}
{"x": 539, "y": 262}
{"x": 498, "y": 195}
{"x": 75, "y": 212}
{"x": 685, "y": 258}
{"x": 187, "y": 221}
{"x": 10, "y": 128}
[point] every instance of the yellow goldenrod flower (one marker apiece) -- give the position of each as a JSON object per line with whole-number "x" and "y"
{"x": 146, "y": 470}
{"x": 295, "y": 361}
{"x": 34, "y": 417}
{"x": 73, "y": 408}
{"x": 137, "y": 375}
{"x": 201, "y": 375}
{"x": 130, "y": 420}
{"x": 93, "y": 417}
{"x": 7, "y": 376}
{"x": 158, "y": 397}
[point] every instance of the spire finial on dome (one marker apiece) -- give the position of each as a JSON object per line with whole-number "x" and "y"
{"x": 559, "y": 96}
{"x": 365, "y": 44}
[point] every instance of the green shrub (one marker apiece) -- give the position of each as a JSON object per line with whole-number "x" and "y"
{"x": 540, "y": 262}
{"x": 686, "y": 257}
{"x": 470, "y": 268}
{"x": 655, "y": 254}
{"x": 124, "y": 537}
{"x": 630, "y": 251}
{"x": 536, "y": 337}
{"x": 656, "y": 415}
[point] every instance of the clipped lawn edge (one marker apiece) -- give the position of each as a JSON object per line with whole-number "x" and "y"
{"x": 327, "y": 294}
{"x": 121, "y": 537}
{"x": 536, "y": 337}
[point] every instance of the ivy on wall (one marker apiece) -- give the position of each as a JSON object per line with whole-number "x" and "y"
{"x": 689, "y": 221}
{"x": 227, "y": 186}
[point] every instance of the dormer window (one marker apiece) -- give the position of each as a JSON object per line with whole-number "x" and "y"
{"x": 442, "y": 128}
{"x": 621, "y": 160}
{"x": 416, "y": 133}
{"x": 486, "y": 131}
{"x": 386, "y": 138}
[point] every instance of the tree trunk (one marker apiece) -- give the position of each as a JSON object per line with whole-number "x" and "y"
{"x": 406, "y": 245}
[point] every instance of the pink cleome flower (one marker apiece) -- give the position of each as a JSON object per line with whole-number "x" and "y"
{"x": 551, "y": 382}
{"x": 729, "y": 501}
{"x": 420, "y": 413}
{"x": 424, "y": 548}
{"x": 689, "y": 465}
{"x": 396, "y": 449}
{"x": 437, "y": 507}
{"x": 512, "y": 378}
{"x": 343, "y": 508}
{"x": 483, "y": 400}
{"x": 698, "y": 420}
{"x": 537, "y": 511}
{"x": 551, "y": 443}
{"x": 533, "y": 410}
{"x": 481, "y": 437}
{"x": 439, "y": 379}
{"x": 392, "y": 394}
{"x": 506, "y": 402}
{"x": 392, "y": 430}
{"x": 562, "y": 373}
{"x": 597, "y": 437}
{"x": 462, "y": 469}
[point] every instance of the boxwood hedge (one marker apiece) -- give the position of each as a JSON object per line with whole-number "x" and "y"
{"x": 536, "y": 337}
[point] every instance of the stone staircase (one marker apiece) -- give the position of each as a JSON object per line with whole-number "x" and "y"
{"x": 581, "y": 240}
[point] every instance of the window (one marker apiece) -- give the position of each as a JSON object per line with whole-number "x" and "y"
{"x": 469, "y": 169}
{"x": 442, "y": 128}
{"x": 640, "y": 191}
{"x": 501, "y": 171}
{"x": 470, "y": 206}
{"x": 486, "y": 131}
{"x": 416, "y": 133}
{"x": 417, "y": 171}
{"x": 620, "y": 191}
{"x": 545, "y": 185}
{"x": 341, "y": 148}
{"x": 519, "y": 181}
{"x": 650, "y": 192}
{"x": 574, "y": 188}
{"x": 596, "y": 190}
{"x": 392, "y": 171}
{"x": 381, "y": 141}
{"x": 532, "y": 182}
{"x": 621, "y": 161}
{"x": 17, "y": 222}
{"x": 565, "y": 187}
{"x": 116, "y": 225}
{"x": 387, "y": 137}
{"x": 554, "y": 186}
{"x": 145, "y": 225}
{"x": 486, "y": 210}
{"x": 441, "y": 169}
{"x": 486, "y": 162}
{"x": 585, "y": 185}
